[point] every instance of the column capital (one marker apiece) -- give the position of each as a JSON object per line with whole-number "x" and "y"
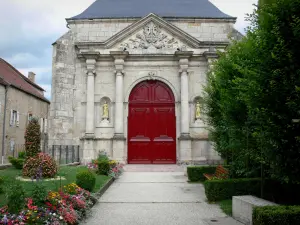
{"x": 183, "y": 57}
{"x": 89, "y": 55}
{"x": 119, "y": 57}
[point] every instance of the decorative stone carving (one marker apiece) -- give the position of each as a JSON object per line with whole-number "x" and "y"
{"x": 198, "y": 111}
{"x": 152, "y": 37}
{"x": 151, "y": 76}
{"x": 105, "y": 114}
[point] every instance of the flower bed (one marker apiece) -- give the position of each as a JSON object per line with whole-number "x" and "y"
{"x": 67, "y": 206}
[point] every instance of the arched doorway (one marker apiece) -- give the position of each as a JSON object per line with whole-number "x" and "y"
{"x": 151, "y": 124}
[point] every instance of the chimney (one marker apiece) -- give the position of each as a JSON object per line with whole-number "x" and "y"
{"x": 31, "y": 76}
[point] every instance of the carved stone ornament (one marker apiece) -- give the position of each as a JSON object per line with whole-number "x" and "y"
{"x": 152, "y": 37}
{"x": 151, "y": 75}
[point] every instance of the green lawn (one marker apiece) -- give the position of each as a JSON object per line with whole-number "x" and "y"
{"x": 226, "y": 206}
{"x": 69, "y": 172}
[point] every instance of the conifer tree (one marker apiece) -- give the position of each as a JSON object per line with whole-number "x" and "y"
{"x": 33, "y": 138}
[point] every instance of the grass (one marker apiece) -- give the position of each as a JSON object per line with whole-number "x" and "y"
{"x": 69, "y": 172}
{"x": 226, "y": 206}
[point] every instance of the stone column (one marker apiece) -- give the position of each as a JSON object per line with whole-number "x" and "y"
{"x": 89, "y": 151}
{"x": 90, "y": 98}
{"x": 119, "y": 139}
{"x": 184, "y": 139}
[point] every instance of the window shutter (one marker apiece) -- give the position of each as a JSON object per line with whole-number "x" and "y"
{"x": 18, "y": 118}
{"x": 11, "y": 121}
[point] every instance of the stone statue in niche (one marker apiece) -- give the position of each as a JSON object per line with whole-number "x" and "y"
{"x": 105, "y": 114}
{"x": 198, "y": 111}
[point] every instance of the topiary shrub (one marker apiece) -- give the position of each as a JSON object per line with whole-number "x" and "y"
{"x": 40, "y": 165}
{"x": 16, "y": 162}
{"x": 33, "y": 138}
{"x": 39, "y": 193}
{"x": 103, "y": 167}
{"x": 217, "y": 190}
{"x": 22, "y": 155}
{"x": 276, "y": 215}
{"x": 86, "y": 180}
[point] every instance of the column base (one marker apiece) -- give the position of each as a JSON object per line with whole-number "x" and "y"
{"x": 89, "y": 136}
{"x": 118, "y": 136}
{"x": 88, "y": 153}
{"x": 118, "y": 153}
{"x": 185, "y": 136}
{"x": 185, "y": 148}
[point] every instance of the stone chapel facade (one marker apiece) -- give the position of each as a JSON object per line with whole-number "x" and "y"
{"x": 129, "y": 80}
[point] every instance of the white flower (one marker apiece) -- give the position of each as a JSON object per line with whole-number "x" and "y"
{"x": 60, "y": 217}
{"x": 54, "y": 214}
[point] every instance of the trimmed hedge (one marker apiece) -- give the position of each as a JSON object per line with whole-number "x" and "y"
{"x": 276, "y": 215}
{"x": 103, "y": 167}
{"x": 217, "y": 190}
{"x": 195, "y": 173}
{"x": 86, "y": 180}
{"x": 17, "y": 162}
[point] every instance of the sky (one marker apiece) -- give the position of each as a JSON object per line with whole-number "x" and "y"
{"x": 29, "y": 27}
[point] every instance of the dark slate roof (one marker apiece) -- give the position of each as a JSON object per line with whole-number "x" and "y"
{"x": 141, "y": 8}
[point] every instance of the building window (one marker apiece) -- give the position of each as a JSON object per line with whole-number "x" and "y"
{"x": 14, "y": 118}
{"x": 12, "y": 145}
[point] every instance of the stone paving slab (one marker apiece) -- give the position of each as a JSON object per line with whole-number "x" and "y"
{"x": 153, "y": 168}
{"x": 154, "y": 177}
{"x": 222, "y": 221}
{"x": 154, "y": 192}
{"x": 153, "y": 214}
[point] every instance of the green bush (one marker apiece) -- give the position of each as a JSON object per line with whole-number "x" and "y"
{"x": 39, "y": 193}
{"x": 86, "y": 180}
{"x": 103, "y": 167}
{"x": 195, "y": 173}
{"x": 22, "y": 155}
{"x": 15, "y": 195}
{"x": 1, "y": 183}
{"x": 102, "y": 156}
{"x": 276, "y": 215}
{"x": 217, "y": 190}
{"x": 16, "y": 162}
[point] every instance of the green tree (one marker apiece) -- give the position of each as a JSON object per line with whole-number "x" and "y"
{"x": 253, "y": 95}
{"x": 33, "y": 138}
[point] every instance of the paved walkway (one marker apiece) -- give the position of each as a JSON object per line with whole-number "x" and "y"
{"x": 154, "y": 198}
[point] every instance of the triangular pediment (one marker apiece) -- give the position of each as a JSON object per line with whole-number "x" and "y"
{"x": 152, "y": 32}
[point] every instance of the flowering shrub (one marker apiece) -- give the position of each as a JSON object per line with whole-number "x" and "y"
{"x": 63, "y": 207}
{"x": 117, "y": 170}
{"x": 42, "y": 162}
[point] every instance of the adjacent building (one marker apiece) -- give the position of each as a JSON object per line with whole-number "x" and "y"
{"x": 20, "y": 100}
{"x": 128, "y": 79}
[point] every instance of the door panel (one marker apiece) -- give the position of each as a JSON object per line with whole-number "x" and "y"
{"x": 151, "y": 124}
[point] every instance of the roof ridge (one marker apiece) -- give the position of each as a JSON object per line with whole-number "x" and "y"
{"x": 23, "y": 76}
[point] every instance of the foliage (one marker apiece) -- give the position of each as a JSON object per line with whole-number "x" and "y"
{"x": 86, "y": 180}
{"x": 103, "y": 167}
{"x": 41, "y": 162}
{"x": 253, "y": 95}
{"x": 116, "y": 169}
{"x": 226, "y": 206}
{"x": 33, "y": 138}
{"x": 1, "y": 183}
{"x": 15, "y": 195}
{"x": 276, "y": 215}
{"x": 217, "y": 190}
{"x": 195, "y": 173}
{"x": 16, "y": 162}
{"x": 22, "y": 155}
{"x": 59, "y": 208}
{"x": 39, "y": 193}
{"x": 102, "y": 156}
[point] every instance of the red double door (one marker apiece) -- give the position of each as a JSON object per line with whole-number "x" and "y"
{"x": 151, "y": 124}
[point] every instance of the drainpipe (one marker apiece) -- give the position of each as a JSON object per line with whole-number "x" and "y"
{"x": 4, "y": 124}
